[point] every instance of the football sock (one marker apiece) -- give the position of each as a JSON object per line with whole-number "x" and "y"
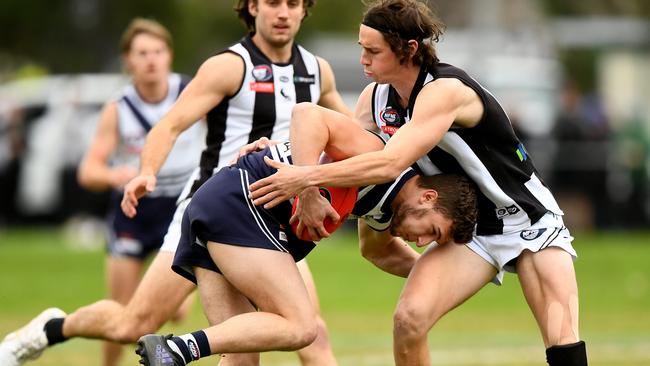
{"x": 191, "y": 346}
{"x": 574, "y": 354}
{"x": 54, "y": 331}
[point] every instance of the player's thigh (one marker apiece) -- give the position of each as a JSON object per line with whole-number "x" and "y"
{"x": 443, "y": 278}
{"x": 269, "y": 278}
{"x": 549, "y": 284}
{"x": 160, "y": 292}
{"x": 219, "y": 298}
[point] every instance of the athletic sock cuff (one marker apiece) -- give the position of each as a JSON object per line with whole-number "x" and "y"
{"x": 203, "y": 343}
{"x": 185, "y": 352}
{"x": 573, "y": 354}
{"x": 54, "y": 331}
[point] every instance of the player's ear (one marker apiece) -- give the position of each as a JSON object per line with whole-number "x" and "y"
{"x": 429, "y": 196}
{"x": 252, "y": 8}
{"x": 413, "y": 47}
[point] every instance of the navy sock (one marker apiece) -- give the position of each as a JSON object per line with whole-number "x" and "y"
{"x": 574, "y": 354}
{"x": 54, "y": 331}
{"x": 192, "y": 346}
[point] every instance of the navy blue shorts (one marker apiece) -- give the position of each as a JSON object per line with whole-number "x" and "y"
{"x": 140, "y": 236}
{"x": 220, "y": 211}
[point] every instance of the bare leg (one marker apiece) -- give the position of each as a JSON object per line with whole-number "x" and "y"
{"x": 286, "y": 319}
{"x": 443, "y": 278}
{"x": 156, "y": 299}
{"x": 123, "y": 275}
{"x": 549, "y": 284}
{"x": 222, "y": 301}
{"x": 320, "y": 352}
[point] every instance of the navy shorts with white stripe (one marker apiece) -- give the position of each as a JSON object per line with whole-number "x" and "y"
{"x": 220, "y": 211}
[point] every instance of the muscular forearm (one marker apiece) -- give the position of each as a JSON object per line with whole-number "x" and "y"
{"x": 370, "y": 168}
{"x": 396, "y": 258}
{"x": 93, "y": 177}
{"x": 159, "y": 143}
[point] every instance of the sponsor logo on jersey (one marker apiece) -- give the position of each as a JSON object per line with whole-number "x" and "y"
{"x": 309, "y": 79}
{"x": 284, "y": 79}
{"x": 260, "y": 87}
{"x": 505, "y": 211}
{"x": 282, "y": 236}
{"x": 532, "y": 234}
{"x": 194, "y": 350}
{"x": 262, "y": 72}
{"x": 390, "y": 121}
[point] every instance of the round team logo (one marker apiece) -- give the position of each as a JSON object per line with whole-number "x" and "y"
{"x": 390, "y": 121}
{"x": 390, "y": 116}
{"x": 284, "y": 79}
{"x": 532, "y": 234}
{"x": 262, "y": 73}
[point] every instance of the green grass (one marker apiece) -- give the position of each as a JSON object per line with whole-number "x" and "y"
{"x": 38, "y": 270}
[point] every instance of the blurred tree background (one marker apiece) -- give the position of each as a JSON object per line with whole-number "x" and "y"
{"x": 71, "y": 36}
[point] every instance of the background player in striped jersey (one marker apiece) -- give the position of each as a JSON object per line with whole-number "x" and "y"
{"x": 114, "y": 155}
{"x": 226, "y": 238}
{"x": 440, "y": 119}
{"x": 246, "y": 92}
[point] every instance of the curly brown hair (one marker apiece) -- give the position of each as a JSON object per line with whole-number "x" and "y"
{"x": 457, "y": 201}
{"x": 242, "y": 12}
{"x": 400, "y": 21}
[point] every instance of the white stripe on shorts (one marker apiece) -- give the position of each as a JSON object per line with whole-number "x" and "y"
{"x": 258, "y": 218}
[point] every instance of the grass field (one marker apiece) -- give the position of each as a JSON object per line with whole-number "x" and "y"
{"x": 38, "y": 270}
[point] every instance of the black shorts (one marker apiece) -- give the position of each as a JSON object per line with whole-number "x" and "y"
{"x": 220, "y": 211}
{"x": 140, "y": 236}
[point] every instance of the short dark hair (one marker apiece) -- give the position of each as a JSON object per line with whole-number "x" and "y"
{"x": 242, "y": 12}
{"x": 400, "y": 21}
{"x": 457, "y": 201}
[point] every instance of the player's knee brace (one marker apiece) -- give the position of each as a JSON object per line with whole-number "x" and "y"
{"x": 574, "y": 354}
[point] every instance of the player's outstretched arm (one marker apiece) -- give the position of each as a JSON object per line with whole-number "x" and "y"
{"x": 390, "y": 254}
{"x": 218, "y": 77}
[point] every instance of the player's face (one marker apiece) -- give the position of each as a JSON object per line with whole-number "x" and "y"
{"x": 277, "y": 21}
{"x": 417, "y": 221}
{"x": 379, "y": 62}
{"x": 149, "y": 59}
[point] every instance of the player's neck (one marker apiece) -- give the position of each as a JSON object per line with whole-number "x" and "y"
{"x": 404, "y": 83}
{"x": 277, "y": 54}
{"x": 153, "y": 92}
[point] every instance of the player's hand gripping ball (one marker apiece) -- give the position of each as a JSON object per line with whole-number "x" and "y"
{"x": 341, "y": 199}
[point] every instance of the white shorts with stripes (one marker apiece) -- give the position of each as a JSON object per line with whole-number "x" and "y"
{"x": 502, "y": 250}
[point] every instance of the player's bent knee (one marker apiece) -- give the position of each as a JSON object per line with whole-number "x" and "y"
{"x": 408, "y": 321}
{"x": 303, "y": 335}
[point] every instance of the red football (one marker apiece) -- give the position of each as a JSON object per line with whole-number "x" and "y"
{"x": 342, "y": 199}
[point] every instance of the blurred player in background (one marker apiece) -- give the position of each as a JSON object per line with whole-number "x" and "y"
{"x": 246, "y": 92}
{"x": 439, "y": 119}
{"x": 114, "y": 156}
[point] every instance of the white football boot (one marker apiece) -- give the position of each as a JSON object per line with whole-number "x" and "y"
{"x": 28, "y": 342}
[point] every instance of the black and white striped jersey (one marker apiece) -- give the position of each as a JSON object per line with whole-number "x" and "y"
{"x": 136, "y": 117}
{"x": 262, "y": 105}
{"x": 512, "y": 195}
